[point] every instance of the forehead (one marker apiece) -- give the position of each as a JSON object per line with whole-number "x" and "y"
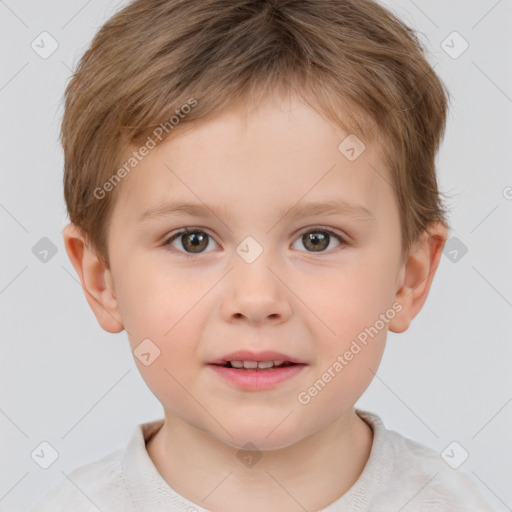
{"x": 258, "y": 161}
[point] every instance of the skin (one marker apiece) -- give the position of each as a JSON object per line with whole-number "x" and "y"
{"x": 254, "y": 164}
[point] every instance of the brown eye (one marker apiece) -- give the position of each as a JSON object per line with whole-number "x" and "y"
{"x": 192, "y": 241}
{"x": 195, "y": 242}
{"x": 319, "y": 239}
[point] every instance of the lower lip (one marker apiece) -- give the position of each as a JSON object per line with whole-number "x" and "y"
{"x": 257, "y": 380}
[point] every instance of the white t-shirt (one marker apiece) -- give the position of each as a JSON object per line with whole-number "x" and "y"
{"x": 399, "y": 474}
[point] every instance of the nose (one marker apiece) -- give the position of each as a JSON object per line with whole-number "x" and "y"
{"x": 255, "y": 293}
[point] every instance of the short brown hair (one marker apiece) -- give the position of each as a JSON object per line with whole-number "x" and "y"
{"x": 355, "y": 61}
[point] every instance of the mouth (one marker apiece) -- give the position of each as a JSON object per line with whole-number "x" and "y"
{"x": 257, "y": 371}
{"x": 256, "y": 365}
{"x": 257, "y": 375}
{"x": 249, "y": 360}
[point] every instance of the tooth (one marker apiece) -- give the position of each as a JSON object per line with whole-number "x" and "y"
{"x": 277, "y": 363}
{"x": 250, "y": 364}
{"x": 265, "y": 364}
{"x": 237, "y": 364}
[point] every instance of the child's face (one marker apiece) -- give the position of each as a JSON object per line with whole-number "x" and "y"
{"x": 249, "y": 171}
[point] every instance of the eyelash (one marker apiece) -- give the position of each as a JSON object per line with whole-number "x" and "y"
{"x": 185, "y": 231}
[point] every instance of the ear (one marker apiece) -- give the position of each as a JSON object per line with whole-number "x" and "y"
{"x": 96, "y": 279}
{"x": 417, "y": 274}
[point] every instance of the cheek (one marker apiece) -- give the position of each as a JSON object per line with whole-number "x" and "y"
{"x": 153, "y": 297}
{"x": 175, "y": 360}
{"x": 354, "y": 307}
{"x": 348, "y": 299}
{"x": 340, "y": 378}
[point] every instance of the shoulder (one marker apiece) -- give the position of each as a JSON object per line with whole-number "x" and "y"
{"x": 98, "y": 485}
{"x": 419, "y": 477}
{"x": 115, "y": 483}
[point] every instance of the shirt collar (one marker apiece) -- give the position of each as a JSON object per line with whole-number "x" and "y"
{"x": 149, "y": 491}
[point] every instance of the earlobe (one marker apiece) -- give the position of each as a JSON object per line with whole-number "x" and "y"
{"x": 95, "y": 278}
{"x": 417, "y": 274}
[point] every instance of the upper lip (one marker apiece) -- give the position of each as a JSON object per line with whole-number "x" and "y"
{"x": 247, "y": 355}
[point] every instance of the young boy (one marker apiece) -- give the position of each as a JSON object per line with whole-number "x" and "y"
{"x": 253, "y": 198}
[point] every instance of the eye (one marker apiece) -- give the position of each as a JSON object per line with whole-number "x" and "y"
{"x": 193, "y": 240}
{"x": 318, "y": 239}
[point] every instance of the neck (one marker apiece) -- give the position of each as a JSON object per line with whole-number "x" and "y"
{"x": 310, "y": 474}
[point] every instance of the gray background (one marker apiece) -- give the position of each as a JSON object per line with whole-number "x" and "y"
{"x": 66, "y": 381}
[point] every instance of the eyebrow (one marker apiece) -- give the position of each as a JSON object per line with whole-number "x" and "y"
{"x": 333, "y": 207}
